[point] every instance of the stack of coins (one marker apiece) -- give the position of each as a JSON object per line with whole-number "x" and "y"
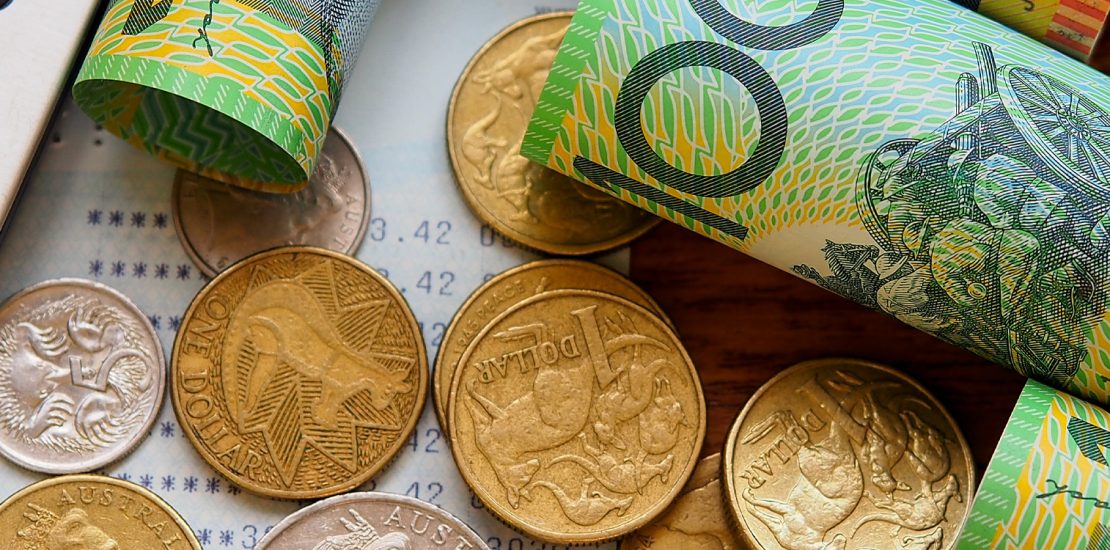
{"x": 574, "y": 412}
{"x": 572, "y": 408}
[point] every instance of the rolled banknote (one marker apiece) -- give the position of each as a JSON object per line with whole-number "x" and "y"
{"x": 911, "y": 155}
{"x": 1071, "y": 26}
{"x": 242, "y": 91}
{"x": 1047, "y": 484}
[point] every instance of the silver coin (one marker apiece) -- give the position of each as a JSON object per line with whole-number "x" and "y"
{"x": 371, "y": 521}
{"x": 220, "y": 224}
{"x": 82, "y": 376}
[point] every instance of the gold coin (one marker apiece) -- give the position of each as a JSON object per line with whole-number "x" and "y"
{"x": 486, "y": 119}
{"x": 298, "y": 373}
{"x": 697, "y": 519}
{"x": 840, "y": 453}
{"x": 90, "y": 512}
{"x": 577, "y": 416}
{"x": 506, "y": 289}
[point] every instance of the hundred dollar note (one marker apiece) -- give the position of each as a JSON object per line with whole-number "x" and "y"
{"x": 911, "y": 155}
{"x": 242, "y": 91}
{"x": 1048, "y": 484}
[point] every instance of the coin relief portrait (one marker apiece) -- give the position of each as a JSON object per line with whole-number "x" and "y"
{"x": 45, "y": 530}
{"x": 78, "y": 376}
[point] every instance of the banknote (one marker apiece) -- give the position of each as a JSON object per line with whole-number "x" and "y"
{"x": 242, "y": 91}
{"x": 1071, "y": 26}
{"x": 1047, "y": 484}
{"x": 911, "y": 155}
{"x": 97, "y": 208}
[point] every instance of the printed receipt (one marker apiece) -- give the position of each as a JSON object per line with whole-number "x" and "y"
{"x": 95, "y": 207}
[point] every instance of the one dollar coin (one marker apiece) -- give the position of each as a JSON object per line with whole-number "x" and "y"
{"x": 840, "y": 453}
{"x": 526, "y": 202}
{"x": 298, "y": 373}
{"x": 576, "y": 416}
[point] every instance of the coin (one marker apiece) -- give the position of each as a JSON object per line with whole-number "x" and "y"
{"x": 577, "y": 416}
{"x": 486, "y": 119}
{"x": 298, "y": 373}
{"x": 371, "y": 521}
{"x": 90, "y": 512}
{"x": 81, "y": 376}
{"x": 840, "y": 453}
{"x": 696, "y": 519}
{"x": 510, "y": 287}
{"x": 219, "y": 224}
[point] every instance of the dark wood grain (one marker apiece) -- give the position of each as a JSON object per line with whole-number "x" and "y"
{"x": 743, "y": 321}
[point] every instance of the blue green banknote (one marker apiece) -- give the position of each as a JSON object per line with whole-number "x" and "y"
{"x": 1048, "y": 485}
{"x": 911, "y": 155}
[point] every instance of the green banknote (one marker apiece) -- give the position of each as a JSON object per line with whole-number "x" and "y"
{"x": 241, "y": 91}
{"x": 1048, "y": 484}
{"x": 911, "y": 155}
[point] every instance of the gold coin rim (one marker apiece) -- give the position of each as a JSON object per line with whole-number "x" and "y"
{"x": 151, "y": 496}
{"x": 439, "y": 380}
{"x": 707, "y": 471}
{"x": 210, "y": 270}
{"x": 481, "y": 211}
{"x": 730, "y": 493}
{"x": 677, "y": 483}
{"x": 359, "y": 478}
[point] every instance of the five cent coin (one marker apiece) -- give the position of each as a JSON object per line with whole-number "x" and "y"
{"x": 486, "y": 119}
{"x": 87, "y": 512}
{"x": 505, "y": 290}
{"x": 220, "y": 224}
{"x": 371, "y": 521}
{"x": 697, "y": 519}
{"x": 298, "y": 373}
{"x": 840, "y": 453}
{"x": 576, "y": 416}
{"x": 81, "y": 376}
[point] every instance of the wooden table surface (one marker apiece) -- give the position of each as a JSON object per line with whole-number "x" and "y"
{"x": 743, "y": 321}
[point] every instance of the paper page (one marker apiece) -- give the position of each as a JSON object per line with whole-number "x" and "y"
{"x": 96, "y": 208}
